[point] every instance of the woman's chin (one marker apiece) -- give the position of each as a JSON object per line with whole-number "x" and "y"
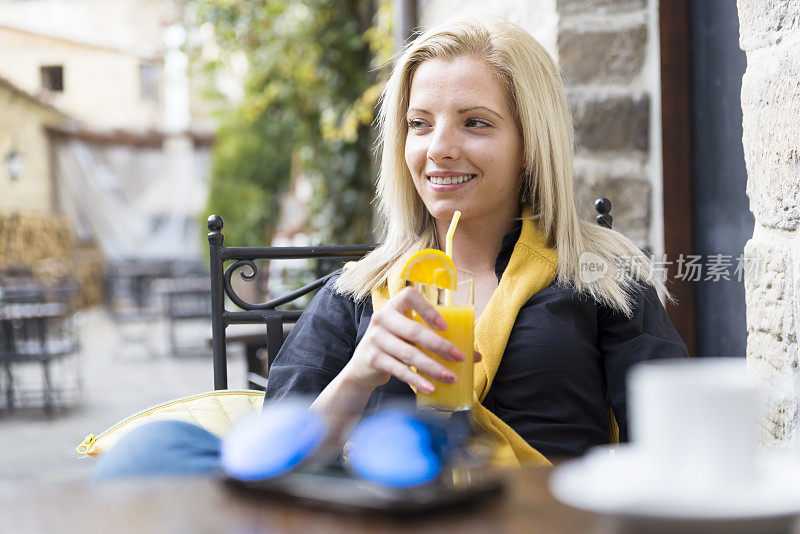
{"x": 445, "y": 212}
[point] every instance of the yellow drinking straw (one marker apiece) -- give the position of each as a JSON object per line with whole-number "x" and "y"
{"x": 448, "y": 249}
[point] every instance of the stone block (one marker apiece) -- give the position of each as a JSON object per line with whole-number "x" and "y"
{"x": 767, "y": 22}
{"x": 603, "y": 6}
{"x": 767, "y": 355}
{"x": 773, "y": 355}
{"x": 779, "y": 407}
{"x": 605, "y": 123}
{"x": 771, "y": 134}
{"x": 629, "y": 195}
{"x": 589, "y": 55}
{"x": 759, "y": 363}
{"x": 765, "y": 363}
{"x": 769, "y": 288}
{"x": 779, "y": 421}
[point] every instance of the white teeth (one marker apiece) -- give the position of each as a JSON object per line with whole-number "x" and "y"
{"x": 447, "y": 180}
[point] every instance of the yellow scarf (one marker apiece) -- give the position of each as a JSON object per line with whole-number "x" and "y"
{"x": 531, "y": 268}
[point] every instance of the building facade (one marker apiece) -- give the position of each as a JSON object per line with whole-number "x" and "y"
{"x": 129, "y": 170}
{"x": 100, "y": 61}
{"x": 26, "y": 177}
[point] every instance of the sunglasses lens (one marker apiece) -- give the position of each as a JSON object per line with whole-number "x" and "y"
{"x": 271, "y": 443}
{"x": 394, "y": 448}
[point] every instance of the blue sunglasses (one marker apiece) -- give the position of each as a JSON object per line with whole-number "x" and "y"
{"x": 395, "y": 448}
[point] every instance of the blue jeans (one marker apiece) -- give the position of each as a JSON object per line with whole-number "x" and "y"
{"x": 161, "y": 448}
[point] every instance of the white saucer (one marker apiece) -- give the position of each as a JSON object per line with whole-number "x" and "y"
{"x": 621, "y": 484}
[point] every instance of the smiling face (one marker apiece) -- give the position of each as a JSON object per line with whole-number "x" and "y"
{"x": 463, "y": 147}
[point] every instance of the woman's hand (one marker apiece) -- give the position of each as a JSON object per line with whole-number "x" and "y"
{"x": 388, "y": 349}
{"x": 390, "y": 346}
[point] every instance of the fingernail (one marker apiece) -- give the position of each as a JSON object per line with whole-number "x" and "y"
{"x": 428, "y": 389}
{"x": 441, "y": 324}
{"x": 457, "y": 355}
{"x": 449, "y": 377}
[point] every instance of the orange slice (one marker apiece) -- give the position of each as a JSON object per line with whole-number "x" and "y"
{"x": 432, "y": 267}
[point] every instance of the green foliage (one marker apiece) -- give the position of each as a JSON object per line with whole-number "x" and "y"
{"x": 311, "y": 87}
{"x": 250, "y": 168}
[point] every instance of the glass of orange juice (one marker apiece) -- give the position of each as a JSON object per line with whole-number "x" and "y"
{"x": 458, "y": 310}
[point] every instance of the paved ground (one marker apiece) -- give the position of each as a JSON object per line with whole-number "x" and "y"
{"x": 124, "y": 369}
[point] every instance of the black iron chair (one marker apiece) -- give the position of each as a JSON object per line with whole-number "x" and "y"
{"x": 267, "y": 313}
{"x": 185, "y": 299}
{"x": 603, "y": 208}
{"x": 37, "y": 327}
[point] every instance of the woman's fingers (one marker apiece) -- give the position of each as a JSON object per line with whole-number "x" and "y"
{"x": 396, "y": 368}
{"x": 416, "y": 333}
{"x": 413, "y": 357}
{"x": 410, "y": 299}
{"x": 397, "y": 341}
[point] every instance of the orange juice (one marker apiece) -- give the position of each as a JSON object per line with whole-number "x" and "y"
{"x": 460, "y": 331}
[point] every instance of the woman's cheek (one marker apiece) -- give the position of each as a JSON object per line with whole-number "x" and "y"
{"x": 415, "y": 155}
{"x": 479, "y": 149}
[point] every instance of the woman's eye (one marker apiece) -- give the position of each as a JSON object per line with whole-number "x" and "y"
{"x": 477, "y": 123}
{"x": 415, "y": 124}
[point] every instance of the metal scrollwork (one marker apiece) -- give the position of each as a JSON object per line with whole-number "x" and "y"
{"x": 241, "y": 264}
{"x": 249, "y": 277}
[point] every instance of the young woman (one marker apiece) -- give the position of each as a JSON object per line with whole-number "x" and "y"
{"x": 474, "y": 119}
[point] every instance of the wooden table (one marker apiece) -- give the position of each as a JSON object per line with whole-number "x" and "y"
{"x": 205, "y": 506}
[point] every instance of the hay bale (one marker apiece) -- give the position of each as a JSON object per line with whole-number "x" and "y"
{"x": 45, "y": 246}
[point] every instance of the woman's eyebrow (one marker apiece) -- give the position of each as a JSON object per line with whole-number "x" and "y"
{"x": 465, "y": 110}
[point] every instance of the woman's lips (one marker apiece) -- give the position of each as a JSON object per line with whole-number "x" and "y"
{"x": 450, "y": 183}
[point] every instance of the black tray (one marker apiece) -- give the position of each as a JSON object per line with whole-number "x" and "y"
{"x": 337, "y": 488}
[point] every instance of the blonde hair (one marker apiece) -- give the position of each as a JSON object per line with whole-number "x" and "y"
{"x": 535, "y": 92}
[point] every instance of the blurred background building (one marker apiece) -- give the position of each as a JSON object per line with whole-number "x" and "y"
{"x": 109, "y": 143}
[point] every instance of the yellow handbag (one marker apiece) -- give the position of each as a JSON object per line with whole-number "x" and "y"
{"x": 215, "y": 411}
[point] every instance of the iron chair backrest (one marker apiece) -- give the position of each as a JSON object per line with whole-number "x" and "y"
{"x": 267, "y": 312}
{"x": 258, "y": 313}
{"x": 603, "y": 208}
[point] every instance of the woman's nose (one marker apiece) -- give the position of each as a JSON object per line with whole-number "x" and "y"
{"x": 443, "y": 144}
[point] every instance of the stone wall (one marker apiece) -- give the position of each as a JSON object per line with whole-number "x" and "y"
{"x": 613, "y": 84}
{"x": 608, "y": 52}
{"x": 770, "y": 35}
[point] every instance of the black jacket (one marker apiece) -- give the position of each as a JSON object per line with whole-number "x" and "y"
{"x": 565, "y": 356}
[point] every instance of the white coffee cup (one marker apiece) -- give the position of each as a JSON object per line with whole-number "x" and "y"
{"x": 694, "y": 421}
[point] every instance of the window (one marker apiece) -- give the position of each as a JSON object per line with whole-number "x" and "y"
{"x": 150, "y": 80}
{"x": 53, "y": 78}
